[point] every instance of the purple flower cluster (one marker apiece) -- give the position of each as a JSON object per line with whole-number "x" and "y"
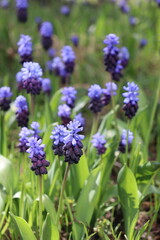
{"x": 25, "y": 48}
{"x": 24, "y": 134}
{"x": 21, "y": 6}
{"x": 46, "y": 86}
{"x": 72, "y": 143}
{"x": 35, "y": 127}
{"x": 64, "y": 111}
{"x": 59, "y": 69}
{"x": 67, "y": 141}
{"x": 99, "y": 142}
{"x": 58, "y": 135}
{"x": 75, "y": 40}
{"x": 5, "y": 98}
{"x": 100, "y": 97}
{"x": 31, "y": 77}
{"x": 113, "y": 62}
{"x": 130, "y": 99}
{"x": 68, "y": 57}
{"x": 65, "y": 10}
{"x": 80, "y": 119}
{"x": 123, "y": 5}
{"x": 69, "y": 96}
{"x": 37, "y": 155}
{"x": 22, "y": 113}
{"x": 46, "y": 31}
{"x": 126, "y": 138}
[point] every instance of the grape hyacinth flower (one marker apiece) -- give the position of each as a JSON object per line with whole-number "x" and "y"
{"x": 143, "y": 43}
{"x": 98, "y": 142}
{"x": 25, "y": 48}
{"x": 131, "y": 100}
{"x": 124, "y": 56}
{"x": 75, "y": 40}
{"x": 65, "y": 10}
{"x": 109, "y": 91}
{"x": 51, "y": 53}
{"x": 19, "y": 81}
{"x": 68, "y": 57}
{"x": 69, "y": 96}
{"x": 24, "y": 134}
{"x": 46, "y": 86}
{"x": 158, "y": 2}
{"x": 64, "y": 112}
{"x": 35, "y": 126}
{"x": 80, "y": 119}
{"x": 58, "y": 135}
{"x": 38, "y": 21}
{"x": 73, "y": 145}
{"x": 37, "y": 156}
{"x": 22, "y": 6}
{"x": 132, "y": 21}
{"x": 57, "y": 66}
{"x": 22, "y": 113}
{"x": 31, "y": 75}
{"x": 5, "y": 98}
{"x": 124, "y": 6}
{"x": 46, "y": 32}
{"x": 95, "y": 93}
{"x": 124, "y": 142}
{"x": 4, "y": 4}
{"x": 111, "y": 58}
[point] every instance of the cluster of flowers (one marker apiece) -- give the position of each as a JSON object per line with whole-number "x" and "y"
{"x": 64, "y": 66}
{"x": 100, "y": 97}
{"x": 30, "y": 79}
{"x": 115, "y": 59}
{"x": 64, "y": 110}
{"x": 67, "y": 141}
{"x": 22, "y": 10}
{"x": 30, "y": 142}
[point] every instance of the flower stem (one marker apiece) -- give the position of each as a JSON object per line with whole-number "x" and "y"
{"x": 32, "y": 106}
{"x": 40, "y": 205}
{"x": 61, "y": 195}
{"x": 126, "y": 154}
{"x": 2, "y": 133}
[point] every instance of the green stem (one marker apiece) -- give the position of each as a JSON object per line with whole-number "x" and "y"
{"x": 2, "y": 133}
{"x": 21, "y": 210}
{"x": 126, "y": 153}
{"x": 32, "y": 107}
{"x": 40, "y": 205}
{"x": 61, "y": 195}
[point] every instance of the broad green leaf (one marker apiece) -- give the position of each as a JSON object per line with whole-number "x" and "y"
{"x": 87, "y": 201}
{"x": 2, "y": 199}
{"x": 79, "y": 171}
{"x": 49, "y": 206}
{"x": 145, "y": 172}
{"x": 55, "y": 101}
{"x": 80, "y": 104}
{"x": 24, "y": 228}
{"x": 128, "y": 194}
{"x": 8, "y": 174}
{"x": 49, "y": 231}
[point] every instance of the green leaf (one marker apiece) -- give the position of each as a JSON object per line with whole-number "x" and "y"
{"x": 87, "y": 201}
{"x": 2, "y": 199}
{"x": 55, "y": 101}
{"x": 80, "y": 104}
{"x": 24, "y": 228}
{"x": 49, "y": 231}
{"x": 145, "y": 172}
{"x": 141, "y": 231}
{"x": 49, "y": 205}
{"x": 8, "y": 176}
{"x": 128, "y": 194}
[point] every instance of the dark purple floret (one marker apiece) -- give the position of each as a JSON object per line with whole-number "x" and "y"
{"x": 68, "y": 57}
{"x": 123, "y": 142}
{"x": 99, "y": 142}
{"x": 24, "y": 134}
{"x": 73, "y": 145}
{"x": 75, "y": 40}
{"x": 31, "y": 76}
{"x": 22, "y": 113}
{"x": 95, "y": 94}
{"x": 21, "y": 6}
{"x": 5, "y": 98}
{"x": 143, "y": 43}
{"x": 131, "y": 100}
{"x": 37, "y": 156}
{"x": 58, "y": 135}
{"x": 46, "y": 42}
